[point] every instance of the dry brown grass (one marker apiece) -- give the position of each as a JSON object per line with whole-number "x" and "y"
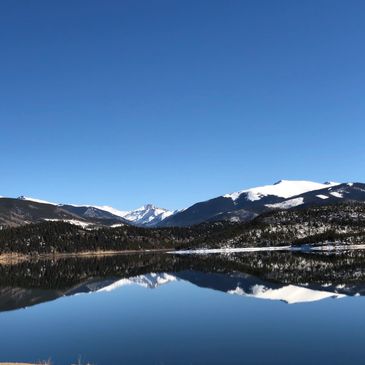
{"x": 26, "y": 363}
{"x": 12, "y": 259}
{"x": 39, "y": 363}
{"x": 15, "y": 363}
{"x": 16, "y": 258}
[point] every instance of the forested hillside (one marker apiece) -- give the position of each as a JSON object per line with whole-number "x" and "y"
{"x": 343, "y": 223}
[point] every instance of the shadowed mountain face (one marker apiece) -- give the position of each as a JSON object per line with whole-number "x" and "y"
{"x": 23, "y": 210}
{"x": 17, "y": 212}
{"x": 14, "y": 212}
{"x": 92, "y": 213}
{"x": 220, "y": 208}
{"x": 350, "y": 192}
{"x": 289, "y": 277}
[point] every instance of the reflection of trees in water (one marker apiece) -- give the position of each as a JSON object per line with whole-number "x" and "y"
{"x": 281, "y": 267}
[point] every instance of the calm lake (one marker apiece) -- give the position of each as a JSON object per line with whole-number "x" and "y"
{"x": 247, "y": 308}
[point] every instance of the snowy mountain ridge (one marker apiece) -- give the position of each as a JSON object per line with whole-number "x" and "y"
{"x": 283, "y": 189}
{"x": 245, "y": 205}
{"x": 290, "y": 294}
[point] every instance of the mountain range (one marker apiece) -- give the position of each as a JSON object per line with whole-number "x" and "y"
{"x": 241, "y": 206}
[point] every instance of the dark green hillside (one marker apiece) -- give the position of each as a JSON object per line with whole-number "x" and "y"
{"x": 343, "y": 223}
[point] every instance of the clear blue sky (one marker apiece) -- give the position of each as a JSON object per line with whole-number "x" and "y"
{"x": 173, "y": 102}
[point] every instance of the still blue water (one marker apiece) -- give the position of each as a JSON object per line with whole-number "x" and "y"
{"x": 181, "y": 323}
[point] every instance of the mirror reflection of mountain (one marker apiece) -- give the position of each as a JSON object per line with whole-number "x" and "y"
{"x": 288, "y": 276}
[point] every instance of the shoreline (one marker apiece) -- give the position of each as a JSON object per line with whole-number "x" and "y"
{"x": 15, "y": 258}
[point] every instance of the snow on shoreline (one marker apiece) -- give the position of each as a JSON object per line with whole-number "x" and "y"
{"x": 269, "y": 248}
{"x": 230, "y": 250}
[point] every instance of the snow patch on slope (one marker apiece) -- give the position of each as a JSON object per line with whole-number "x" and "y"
{"x": 336, "y": 194}
{"x": 75, "y": 222}
{"x": 117, "y": 225}
{"x": 287, "y": 204}
{"x": 320, "y": 196}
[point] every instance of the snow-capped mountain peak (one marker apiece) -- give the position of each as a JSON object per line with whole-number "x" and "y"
{"x": 147, "y": 215}
{"x": 283, "y": 189}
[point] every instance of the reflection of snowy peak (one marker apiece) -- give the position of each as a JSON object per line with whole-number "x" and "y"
{"x": 251, "y": 286}
{"x": 244, "y": 285}
{"x": 152, "y": 280}
{"x": 235, "y": 283}
{"x": 290, "y": 294}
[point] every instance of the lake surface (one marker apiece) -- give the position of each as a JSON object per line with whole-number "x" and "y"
{"x": 251, "y": 308}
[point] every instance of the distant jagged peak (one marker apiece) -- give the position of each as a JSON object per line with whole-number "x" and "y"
{"x": 147, "y": 214}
